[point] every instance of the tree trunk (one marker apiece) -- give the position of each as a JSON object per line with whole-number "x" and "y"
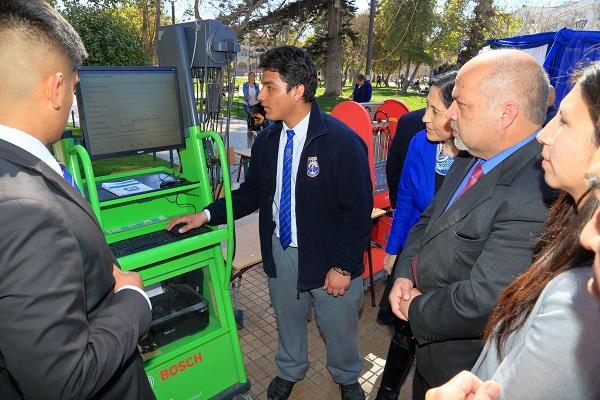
{"x": 158, "y": 12}
{"x": 386, "y": 79}
{"x": 345, "y": 77}
{"x": 414, "y": 73}
{"x": 145, "y": 28}
{"x": 197, "y": 10}
{"x": 406, "y": 83}
{"x": 483, "y": 16}
{"x": 333, "y": 80}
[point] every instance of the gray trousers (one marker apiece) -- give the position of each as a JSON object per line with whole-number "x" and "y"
{"x": 337, "y": 318}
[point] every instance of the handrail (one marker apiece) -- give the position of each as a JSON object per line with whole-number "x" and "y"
{"x": 199, "y": 136}
{"x": 73, "y": 165}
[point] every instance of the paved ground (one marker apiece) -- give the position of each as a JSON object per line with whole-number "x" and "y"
{"x": 258, "y": 340}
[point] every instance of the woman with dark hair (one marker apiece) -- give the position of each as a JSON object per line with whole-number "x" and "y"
{"x": 429, "y": 157}
{"x": 543, "y": 337}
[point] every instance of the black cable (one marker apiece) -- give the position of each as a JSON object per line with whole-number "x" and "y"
{"x": 176, "y": 202}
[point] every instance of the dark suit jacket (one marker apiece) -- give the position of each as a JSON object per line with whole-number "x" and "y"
{"x": 408, "y": 126}
{"x": 468, "y": 254}
{"x": 64, "y": 334}
{"x": 363, "y": 93}
{"x": 333, "y": 206}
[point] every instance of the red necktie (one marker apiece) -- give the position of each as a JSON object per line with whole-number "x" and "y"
{"x": 475, "y": 175}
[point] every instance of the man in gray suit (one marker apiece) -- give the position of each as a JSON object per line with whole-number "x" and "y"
{"x": 70, "y": 320}
{"x": 478, "y": 233}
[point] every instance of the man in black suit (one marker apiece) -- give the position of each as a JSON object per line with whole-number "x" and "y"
{"x": 362, "y": 89}
{"x": 479, "y": 232}
{"x": 71, "y": 319}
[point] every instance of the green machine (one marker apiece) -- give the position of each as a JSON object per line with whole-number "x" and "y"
{"x": 193, "y": 349}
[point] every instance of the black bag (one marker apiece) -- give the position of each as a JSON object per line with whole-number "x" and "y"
{"x": 257, "y": 118}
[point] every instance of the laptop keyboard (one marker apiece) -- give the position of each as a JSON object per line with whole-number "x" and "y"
{"x": 151, "y": 240}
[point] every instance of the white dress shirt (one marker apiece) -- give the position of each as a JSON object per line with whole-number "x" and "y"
{"x": 300, "y": 131}
{"x": 252, "y": 100}
{"x": 37, "y": 149}
{"x": 30, "y": 144}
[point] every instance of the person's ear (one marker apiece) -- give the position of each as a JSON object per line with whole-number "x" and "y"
{"x": 55, "y": 92}
{"x": 510, "y": 111}
{"x": 298, "y": 92}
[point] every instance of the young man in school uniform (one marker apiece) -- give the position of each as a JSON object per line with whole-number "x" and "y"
{"x": 309, "y": 177}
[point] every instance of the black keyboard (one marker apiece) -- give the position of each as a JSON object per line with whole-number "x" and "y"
{"x": 152, "y": 240}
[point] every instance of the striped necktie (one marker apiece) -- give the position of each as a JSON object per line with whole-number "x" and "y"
{"x": 475, "y": 175}
{"x": 68, "y": 177}
{"x": 285, "y": 201}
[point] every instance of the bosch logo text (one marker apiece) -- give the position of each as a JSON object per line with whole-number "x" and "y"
{"x": 180, "y": 367}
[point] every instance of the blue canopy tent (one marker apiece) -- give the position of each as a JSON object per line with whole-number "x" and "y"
{"x": 567, "y": 51}
{"x": 570, "y": 51}
{"x": 525, "y": 41}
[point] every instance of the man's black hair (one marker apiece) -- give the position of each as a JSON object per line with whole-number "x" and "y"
{"x": 295, "y": 67}
{"x": 42, "y": 24}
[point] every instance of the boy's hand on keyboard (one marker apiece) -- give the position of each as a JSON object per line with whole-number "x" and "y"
{"x": 191, "y": 221}
{"x": 124, "y": 278}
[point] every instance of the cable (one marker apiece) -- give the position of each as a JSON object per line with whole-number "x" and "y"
{"x": 195, "y": 44}
{"x": 176, "y": 202}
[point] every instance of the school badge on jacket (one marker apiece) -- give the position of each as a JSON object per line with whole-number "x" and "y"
{"x": 312, "y": 167}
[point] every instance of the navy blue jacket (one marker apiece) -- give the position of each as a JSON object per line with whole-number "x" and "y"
{"x": 363, "y": 93}
{"x": 333, "y": 208}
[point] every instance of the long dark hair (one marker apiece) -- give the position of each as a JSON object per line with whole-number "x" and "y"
{"x": 558, "y": 246}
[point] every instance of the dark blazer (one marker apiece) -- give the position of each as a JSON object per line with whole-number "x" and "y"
{"x": 363, "y": 93}
{"x": 465, "y": 256}
{"x": 408, "y": 125}
{"x": 64, "y": 334}
{"x": 333, "y": 208}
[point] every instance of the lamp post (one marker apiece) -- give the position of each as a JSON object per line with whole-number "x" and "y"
{"x": 173, "y": 11}
{"x": 370, "y": 39}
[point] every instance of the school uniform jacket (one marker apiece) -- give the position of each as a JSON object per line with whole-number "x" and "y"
{"x": 334, "y": 198}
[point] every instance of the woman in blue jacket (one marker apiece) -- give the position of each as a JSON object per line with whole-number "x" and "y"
{"x": 429, "y": 157}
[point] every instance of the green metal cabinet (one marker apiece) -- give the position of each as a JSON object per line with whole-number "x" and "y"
{"x": 207, "y": 364}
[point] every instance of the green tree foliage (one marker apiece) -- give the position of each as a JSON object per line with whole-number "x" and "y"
{"x": 109, "y": 37}
{"x": 489, "y": 21}
{"x": 330, "y": 21}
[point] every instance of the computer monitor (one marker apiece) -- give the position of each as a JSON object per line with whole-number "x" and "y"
{"x": 129, "y": 110}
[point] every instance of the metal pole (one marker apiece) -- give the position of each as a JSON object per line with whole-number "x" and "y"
{"x": 370, "y": 40}
{"x": 173, "y": 12}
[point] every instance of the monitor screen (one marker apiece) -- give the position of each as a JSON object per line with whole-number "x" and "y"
{"x": 129, "y": 110}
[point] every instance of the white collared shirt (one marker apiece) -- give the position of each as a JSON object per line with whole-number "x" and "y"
{"x": 37, "y": 149}
{"x": 30, "y": 144}
{"x": 300, "y": 131}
